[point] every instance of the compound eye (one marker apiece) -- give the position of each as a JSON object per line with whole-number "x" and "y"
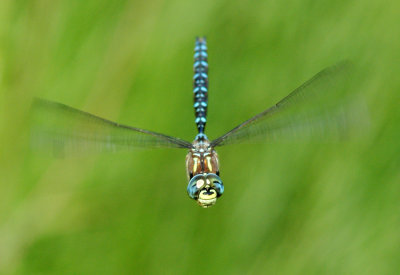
{"x": 216, "y": 183}
{"x": 196, "y": 183}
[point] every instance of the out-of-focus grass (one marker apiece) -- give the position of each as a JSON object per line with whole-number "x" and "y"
{"x": 288, "y": 208}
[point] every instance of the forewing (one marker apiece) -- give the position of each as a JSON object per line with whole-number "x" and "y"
{"x": 319, "y": 107}
{"x": 63, "y": 129}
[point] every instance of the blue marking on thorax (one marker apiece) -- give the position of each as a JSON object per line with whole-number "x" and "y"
{"x": 200, "y": 54}
{"x": 200, "y": 119}
{"x": 199, "y": 47}
{"x": 201, "y": 63}
{"x": 203, "y": 119}
{"x": 201, "y": 136}
{"x": 198, "y": 75}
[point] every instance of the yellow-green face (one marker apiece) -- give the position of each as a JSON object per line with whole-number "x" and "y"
{"x": 205, "y": 189}
{"x": 207, "y": 198}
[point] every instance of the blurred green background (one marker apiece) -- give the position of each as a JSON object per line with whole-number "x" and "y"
{"x": 288, "y": 208}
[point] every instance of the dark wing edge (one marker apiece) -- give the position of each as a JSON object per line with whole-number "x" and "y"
{"x": 56, "y": 126}
{"x": 300, "y": 94}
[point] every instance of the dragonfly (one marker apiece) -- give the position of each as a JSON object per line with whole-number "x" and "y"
{"x": 307, "y": 109}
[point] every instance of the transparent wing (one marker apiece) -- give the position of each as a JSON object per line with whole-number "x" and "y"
{"x": 318, "y": 107}
{"x": 63, "y": 129}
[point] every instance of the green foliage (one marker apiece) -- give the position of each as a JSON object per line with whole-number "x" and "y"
{"x": 288, "y": 208}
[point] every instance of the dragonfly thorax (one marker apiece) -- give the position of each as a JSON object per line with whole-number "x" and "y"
{"x": 201, "y": 159}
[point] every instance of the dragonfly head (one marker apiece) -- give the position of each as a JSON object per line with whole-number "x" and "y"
{"x": 205, "y": 189}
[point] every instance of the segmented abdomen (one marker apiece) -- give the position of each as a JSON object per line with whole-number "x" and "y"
{"x": 200, "y": 83}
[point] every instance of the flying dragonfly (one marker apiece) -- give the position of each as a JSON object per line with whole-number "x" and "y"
{"x": 309, "y": 109}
